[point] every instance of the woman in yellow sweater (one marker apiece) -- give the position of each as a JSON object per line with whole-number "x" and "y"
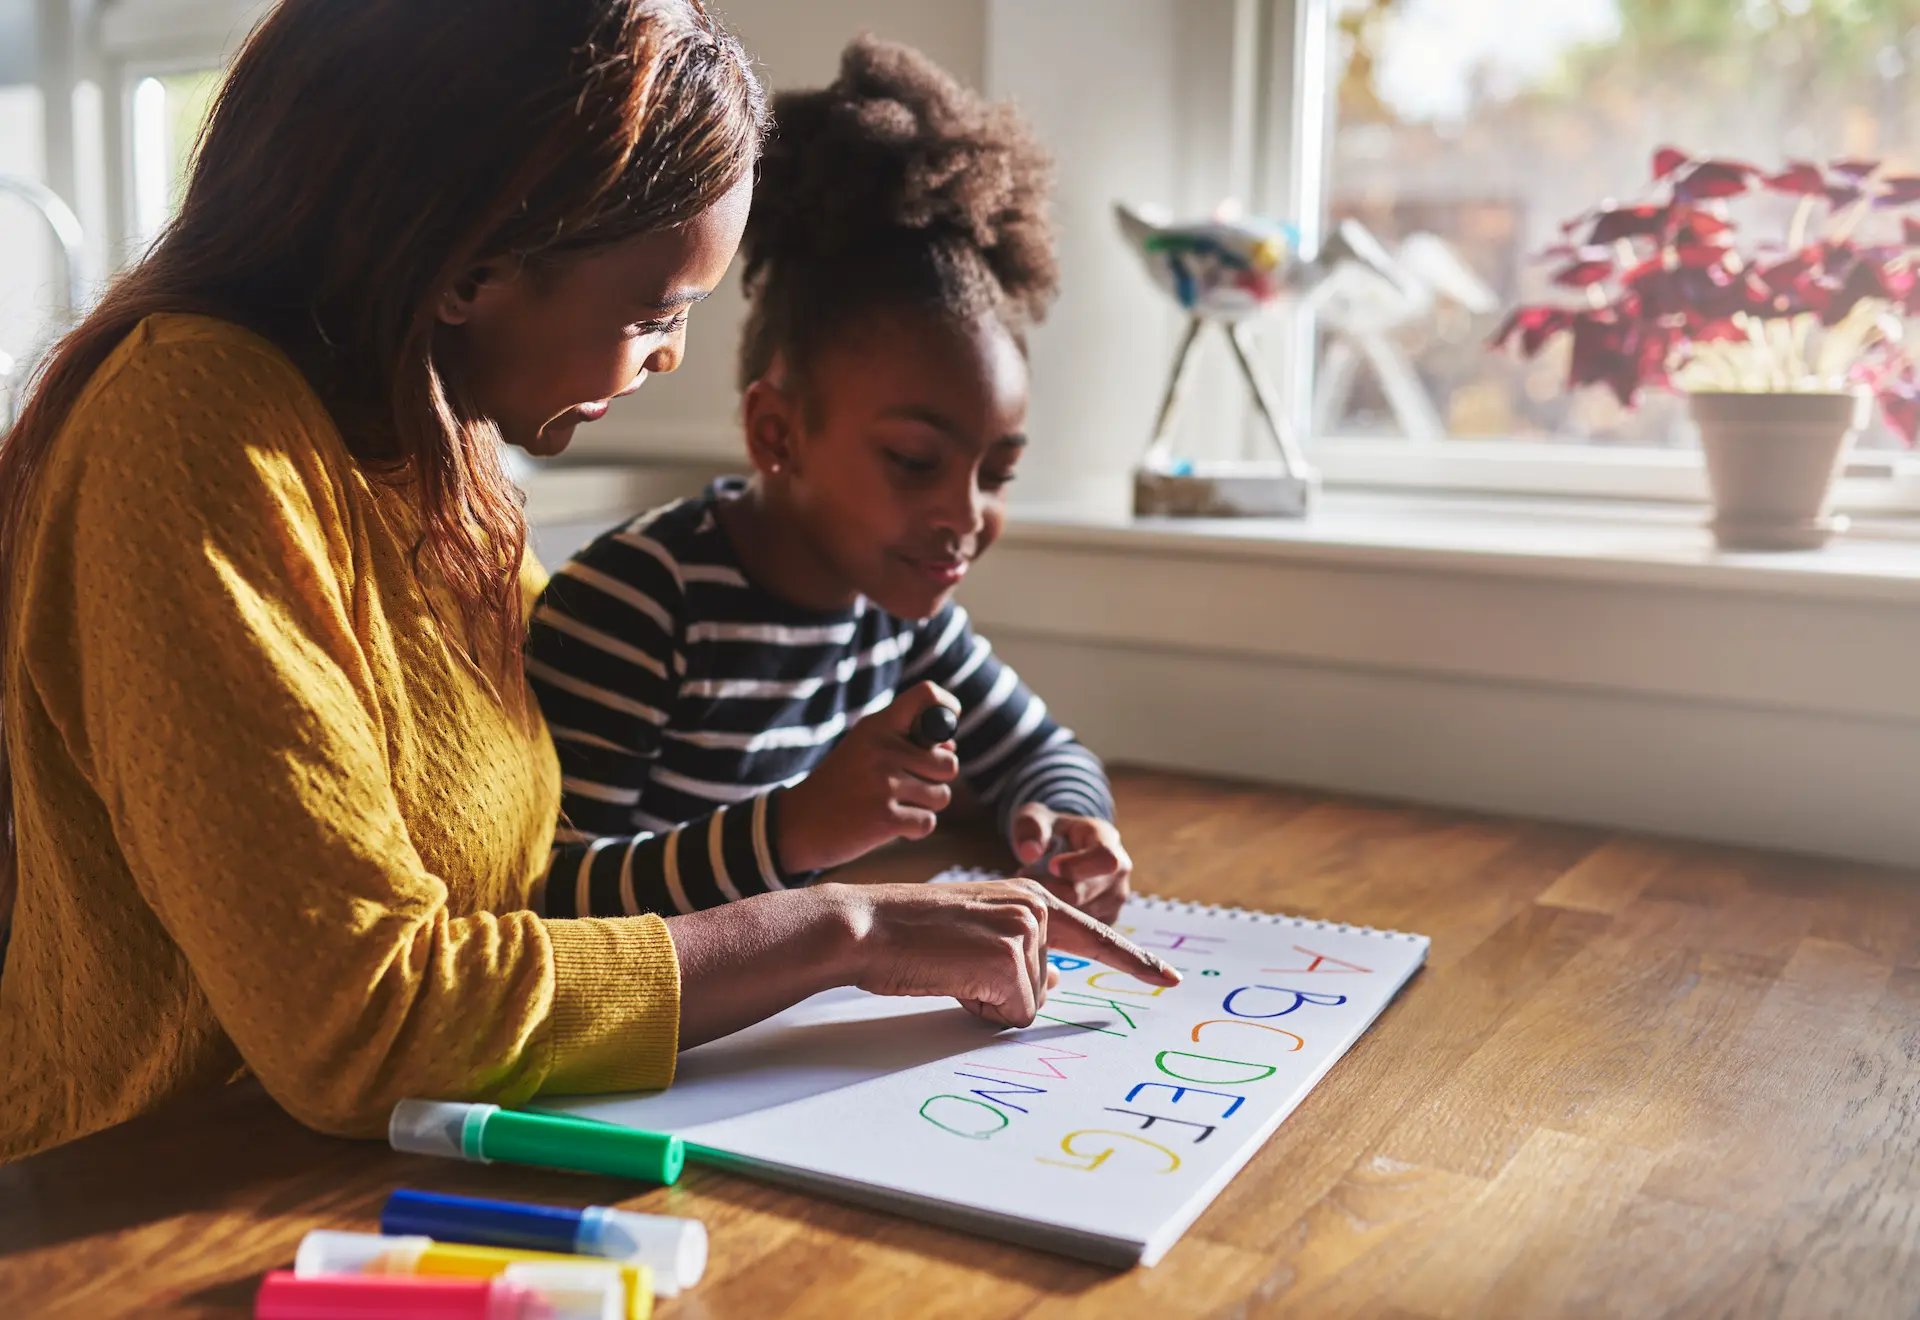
{"x": 279, "y": 795}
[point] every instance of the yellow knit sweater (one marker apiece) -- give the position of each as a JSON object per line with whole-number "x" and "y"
{"x": 269, "y": 816}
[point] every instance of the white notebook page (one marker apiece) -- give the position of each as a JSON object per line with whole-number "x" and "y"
{"x": 1101, "y": 1131}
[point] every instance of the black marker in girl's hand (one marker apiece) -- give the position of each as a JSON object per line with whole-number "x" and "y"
{"x": 933, "y": 726}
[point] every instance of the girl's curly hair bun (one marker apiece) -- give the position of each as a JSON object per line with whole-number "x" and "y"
{"x": 894, "y": 183}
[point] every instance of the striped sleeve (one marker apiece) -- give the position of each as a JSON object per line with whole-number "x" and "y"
{"x": 605, "y": 656}
{"x": 1012, "y": 752}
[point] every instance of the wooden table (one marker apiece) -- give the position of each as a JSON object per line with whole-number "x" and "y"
{"x": 1635, "y": 1078}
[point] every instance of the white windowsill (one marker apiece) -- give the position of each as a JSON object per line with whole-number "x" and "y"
{"x": 1587, "y": 540}
{"x": 1596, "y": 541}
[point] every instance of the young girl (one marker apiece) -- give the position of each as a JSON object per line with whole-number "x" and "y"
{"x": 736, "y": 676}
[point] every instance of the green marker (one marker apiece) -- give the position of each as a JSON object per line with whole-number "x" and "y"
{"x": 485, "y": 1133}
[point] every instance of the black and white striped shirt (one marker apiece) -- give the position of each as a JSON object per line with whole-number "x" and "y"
{"x": 684, "y": 699}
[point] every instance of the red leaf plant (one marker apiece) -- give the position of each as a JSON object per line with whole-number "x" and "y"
{"x": 1669, "y": 297}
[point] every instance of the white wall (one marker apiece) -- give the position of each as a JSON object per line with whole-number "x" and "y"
{"x": 1099, "y": 84}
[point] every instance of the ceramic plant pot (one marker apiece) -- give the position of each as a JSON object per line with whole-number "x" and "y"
{"x": 1771, "y": 461}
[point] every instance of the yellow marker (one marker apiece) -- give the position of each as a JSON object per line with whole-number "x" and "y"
{"x": 323, "y": 1253}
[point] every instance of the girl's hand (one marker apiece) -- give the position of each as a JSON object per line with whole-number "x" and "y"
{"x": 875, "y": 786}
{"x": 1078, "y": 858}
{"x": 983, "y": 943}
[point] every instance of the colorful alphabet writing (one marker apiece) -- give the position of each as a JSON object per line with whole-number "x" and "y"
{"x": 1102, "y": 1130}
{"x": 1118, "y": 1010}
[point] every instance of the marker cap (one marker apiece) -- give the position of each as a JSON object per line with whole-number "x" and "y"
{"x": 675, "y": 1250}
{"x": 934, "y": 725}
{"x": 575, "y": 1292}
{"x": 446, "y": 1128}
{"x": 326, "y": 1252}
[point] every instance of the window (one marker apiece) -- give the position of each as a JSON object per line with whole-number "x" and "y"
{"x": 101, "y": 104}
{"x": 168, "y": 112}
{"x": 27, "y": 275}
{"x": 159, "y": 63}
{"x": 1462, "y": 132}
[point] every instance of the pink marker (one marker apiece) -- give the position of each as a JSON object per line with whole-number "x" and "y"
{"x": 552, "y": 1293}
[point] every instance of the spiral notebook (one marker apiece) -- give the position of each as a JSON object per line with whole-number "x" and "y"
{"x": 1101, "y": 1131}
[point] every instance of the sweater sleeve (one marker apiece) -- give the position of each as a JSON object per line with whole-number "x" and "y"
{"x": 605, "y": 656}
{"x": 227, "y": 721}
{"x": 1011, "y": 750}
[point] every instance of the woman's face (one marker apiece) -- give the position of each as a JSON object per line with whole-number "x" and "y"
{"x": 543, "y": 350}
{"x": 901, "y": 474}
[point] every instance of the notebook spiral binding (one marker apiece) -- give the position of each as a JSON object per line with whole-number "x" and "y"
{"x": 1181, "y": 905}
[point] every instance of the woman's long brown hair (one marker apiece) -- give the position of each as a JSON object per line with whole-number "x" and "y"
{"x": 361, "y": 158}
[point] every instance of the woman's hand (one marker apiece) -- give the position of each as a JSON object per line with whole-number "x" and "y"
{"x": 983, "y": 943}
{"x": 1078, "y": 858}
{"x": 875, "y": 786}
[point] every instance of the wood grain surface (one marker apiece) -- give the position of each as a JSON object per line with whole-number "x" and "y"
{"x": 1635, "y": 1078}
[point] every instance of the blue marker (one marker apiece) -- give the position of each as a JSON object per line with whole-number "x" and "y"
{"x": 674, "y": 1249}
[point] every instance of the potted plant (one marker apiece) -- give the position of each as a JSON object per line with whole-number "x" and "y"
{"x": 1781, "y": 347}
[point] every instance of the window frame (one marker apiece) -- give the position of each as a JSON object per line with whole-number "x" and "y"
{"x": 1294, "y": 146}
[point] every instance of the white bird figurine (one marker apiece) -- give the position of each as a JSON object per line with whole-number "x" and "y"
{"x": 1233, "y": 268}
{"x": 1227, "y": 271}
{"x": 1223, "y": 268}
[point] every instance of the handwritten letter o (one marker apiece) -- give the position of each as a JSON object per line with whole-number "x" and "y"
{"x": 973, "y": 1132}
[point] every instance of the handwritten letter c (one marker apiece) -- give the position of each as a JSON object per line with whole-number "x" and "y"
{"x": 1298, "y": 1041}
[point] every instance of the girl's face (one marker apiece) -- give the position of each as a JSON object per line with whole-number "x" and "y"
{"x": 543, "y": 350}
{"x": 899, "y": 474}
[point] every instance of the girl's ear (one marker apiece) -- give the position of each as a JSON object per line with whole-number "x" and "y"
{"x": 772, "y": 418}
